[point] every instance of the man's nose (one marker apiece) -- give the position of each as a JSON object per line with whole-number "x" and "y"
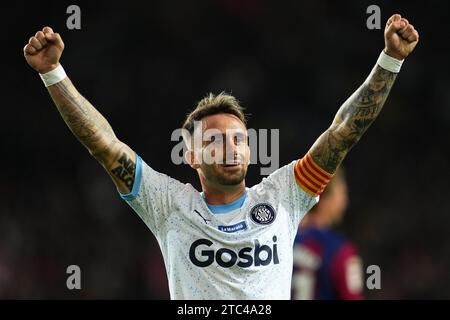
{"x": 231, "y": 143}
{"x": 230, "y": 148}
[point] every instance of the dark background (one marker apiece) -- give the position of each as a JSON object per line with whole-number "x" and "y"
{"x": 144, "y": 65}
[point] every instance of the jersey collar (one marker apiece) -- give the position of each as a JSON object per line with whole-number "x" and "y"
{"x": 225, "y": 208}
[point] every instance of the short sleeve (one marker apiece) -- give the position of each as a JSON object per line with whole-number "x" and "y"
{"x": 296, "y": 193}
{"x": 152, "y": 196}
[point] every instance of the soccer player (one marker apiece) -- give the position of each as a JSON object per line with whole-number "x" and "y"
{"x": 326, "y": 266}
{"x": 228, "y": 241}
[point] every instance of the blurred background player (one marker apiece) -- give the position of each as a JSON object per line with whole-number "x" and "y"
{"x": 326, "y": 265}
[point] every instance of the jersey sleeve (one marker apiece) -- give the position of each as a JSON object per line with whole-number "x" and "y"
{"x": 299, "y": 185}
{"x": 152, "y": 196}
{"x": 346, "y": 273}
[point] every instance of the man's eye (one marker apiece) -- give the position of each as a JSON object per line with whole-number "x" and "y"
{"x": 239, "y": 139}
{"x": 213, "y": 140}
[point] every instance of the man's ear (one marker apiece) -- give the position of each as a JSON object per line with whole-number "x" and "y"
{"x": 189, "y": 156}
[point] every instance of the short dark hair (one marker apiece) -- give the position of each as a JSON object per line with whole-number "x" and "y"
{"x": 214, "y": 104}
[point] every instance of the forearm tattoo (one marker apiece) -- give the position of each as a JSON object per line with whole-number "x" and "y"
{"x": 86, "y": 123}
{"x": 353, "y": 119}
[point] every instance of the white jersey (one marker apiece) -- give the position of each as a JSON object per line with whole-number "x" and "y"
{"x": 243, "y": 254}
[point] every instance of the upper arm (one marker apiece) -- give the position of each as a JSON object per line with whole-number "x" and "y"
{"x": 315, "y": 170}
{"x": 332, "y": 146}
{"x": 119, "y": 161}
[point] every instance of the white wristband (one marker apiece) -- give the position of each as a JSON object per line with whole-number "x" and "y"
{"x": 56, "y": 75}
{"x": 389, "y": 63}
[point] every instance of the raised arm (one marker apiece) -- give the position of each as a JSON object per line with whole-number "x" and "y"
{"x": 42, "y": 53}
{"x": 363, "y": 106}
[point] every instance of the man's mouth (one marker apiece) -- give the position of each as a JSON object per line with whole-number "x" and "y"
{"x": 231, "y": 165}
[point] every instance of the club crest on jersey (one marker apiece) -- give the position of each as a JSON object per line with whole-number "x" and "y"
{"x": 262, "y": 213}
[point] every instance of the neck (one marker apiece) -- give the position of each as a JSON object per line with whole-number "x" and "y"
{"x": 223, "y": 195}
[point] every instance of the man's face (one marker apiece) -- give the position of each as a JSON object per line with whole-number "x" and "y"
{"x": 221, "y": 152}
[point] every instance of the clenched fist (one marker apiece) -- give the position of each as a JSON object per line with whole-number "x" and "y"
{"x": 400, "y": 37}
{"x": 44, "y": 50}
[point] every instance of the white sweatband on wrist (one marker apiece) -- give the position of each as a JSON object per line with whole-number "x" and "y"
{"x": 389, "y": 63}
{"x": 56, "y": 75}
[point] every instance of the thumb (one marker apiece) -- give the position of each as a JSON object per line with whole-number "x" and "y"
{"x": 394, "y": 24}
{"x": 54, "y": 38}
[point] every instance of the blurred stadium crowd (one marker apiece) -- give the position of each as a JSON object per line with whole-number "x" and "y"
{"x": 145, "y": 64}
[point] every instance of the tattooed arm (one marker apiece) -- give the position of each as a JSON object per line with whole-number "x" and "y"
{"x": 42, "y": 53}
{"x": 95, "y": 133}
{"x": 352, "y": 120}
{"x": 363, "y": 107}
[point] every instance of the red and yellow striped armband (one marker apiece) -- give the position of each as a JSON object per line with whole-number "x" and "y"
{"x": 310, "y": 177}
